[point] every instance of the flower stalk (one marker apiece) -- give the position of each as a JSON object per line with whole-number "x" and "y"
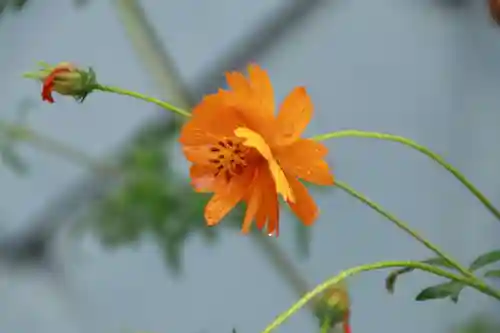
{"x": 473, "y": 283}
{"x": 241, "y": 151}
{"x": 422, "y": 149}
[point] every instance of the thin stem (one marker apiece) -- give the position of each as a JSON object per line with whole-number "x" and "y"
{"x": 53, "y": 146}
{"x": 146, "y": 98}
{"x": 473, "y": 283}
{"x": 412, "y": 144}
{"x": 403, "y": 226}
{"x": 325, "y": 327}
{"x": 153, "y": 54}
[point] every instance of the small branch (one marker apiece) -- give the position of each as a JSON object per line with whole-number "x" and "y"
{"x": 152, "y": 55}
{"x": 474, "y": 283}
{"x": 403, "y": 226}
{"x": 420, "y": 148}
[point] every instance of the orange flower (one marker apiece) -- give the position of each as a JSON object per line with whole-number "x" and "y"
{"x": 241, "y": 151}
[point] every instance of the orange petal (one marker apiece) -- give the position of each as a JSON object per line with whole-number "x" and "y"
{"x": 253, "y": 204}
{"x": 200, "y": 155}
{"x": 294, "y": 116}
{"x": 272, "y": 211}
{"x": 211, "y": 120}
{"x": 255, "y": 140}
{"x": 237, "y": 82}
{"x": 262, "y": 203}
{"x": 195, "y": 132}
{"x": 304, "y": 159}
{"x": 248, "y": 110}
{"x": 304, "y": 207}
{"x": 262, "y": 89}
{"x": 227, "y": 197}
{"x": 219, "y": 206}
{"x": 268, "y": 211}
{"x": 252, "y": 99}
{"x": 202, "y": 178}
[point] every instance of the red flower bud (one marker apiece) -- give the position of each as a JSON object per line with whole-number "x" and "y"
{"x": 65, "y": 79}
{"x": 346, "y": 322}
{"x": 333, "y": 308}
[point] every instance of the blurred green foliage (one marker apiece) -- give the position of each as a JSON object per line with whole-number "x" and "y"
{"x": 152, "y": 199}
{"x": 17, "y": 5}
{"x": 12, "y": 4}
{"x": 478, "y": 324}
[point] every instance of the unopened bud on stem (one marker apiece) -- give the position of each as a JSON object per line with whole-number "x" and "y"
{"x": 333, "y": 308}
{"x": 65, "y": 79}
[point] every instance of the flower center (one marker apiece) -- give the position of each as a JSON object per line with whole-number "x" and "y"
{"x": 229, "y": 158}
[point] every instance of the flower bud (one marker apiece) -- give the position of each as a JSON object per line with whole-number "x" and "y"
{"x": 333, "y": 308}
{"x": 65, "y": 79}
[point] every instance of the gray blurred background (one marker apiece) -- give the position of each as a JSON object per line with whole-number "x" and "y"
{"x": 85, "y": 250}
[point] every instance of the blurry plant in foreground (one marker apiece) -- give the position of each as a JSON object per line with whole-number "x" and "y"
{"x": 478, "y": 324}
{"x": 249, "y": 132}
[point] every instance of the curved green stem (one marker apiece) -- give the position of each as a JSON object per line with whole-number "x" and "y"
{"x": 60, "y": 149}
{"x": 412, "y": 144}
{"x": 53, "y": 146}
{"x": 403, "y": 226}
{"x": 473, "y": 283}
{"x": 325, "y": 327}
{"x": 146, "y": 98}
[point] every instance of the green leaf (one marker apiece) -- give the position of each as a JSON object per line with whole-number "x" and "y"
{"x": 390, "y": 281}
{"x": 494, "y": 273}
{"x": 485, "y": 259}
{"x": 440, "y": 291}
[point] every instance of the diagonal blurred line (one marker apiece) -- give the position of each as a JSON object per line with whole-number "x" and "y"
{"x": 149, "y": 48}
{"x": 257, "y": 42}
